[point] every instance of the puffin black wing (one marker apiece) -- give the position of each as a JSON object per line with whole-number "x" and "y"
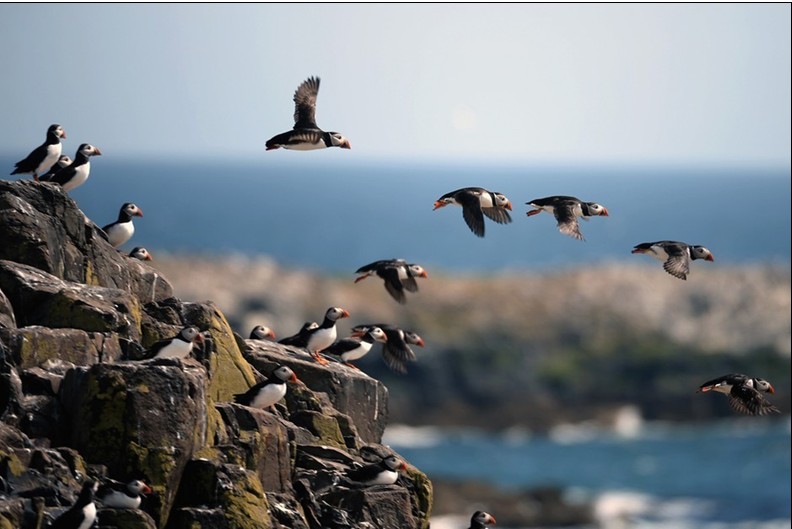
{"x": 305, "y": 104}
{"x": 64, "y": 175}
{"x": 471, "y": 212}
{"x": 499, "y": 215}
{"x": 342, "y": 346}
{"x": 567, "y": 222}
{"x": 393, "y": 284}
{"x": 678, "y": 262}
{"x": 748, "y": 400}
{"x": 29, "y": 164}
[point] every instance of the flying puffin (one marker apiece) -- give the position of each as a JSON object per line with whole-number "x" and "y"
{"x": 396, "y": 351}
{"x": 180, "y": 346}
{"x": 301, "y": 338}
{"x": 356, "y": 347}
{"x": 325, "y": 334}
{"x": 76, "y": 173}
{"x": 116, "y": 495}
{"x": 265, "y": 394}
{"x": 82, "y": 514}
{"x": 122, "y": 230}
{"x": 138, "y": 252}
{"x": 676, "y": 256}
{"x": 566, "y": 210}
{"x": 745, "y": 394}
{"x": 44, "y": 156}
{"x": 306, "y": 134}
{"x": 481, "y": 519}
{"x": 477, "y": 202}
{"x": 63, "y": 161}
{"x": 262, "y": 332}
{"x": 385, "y": 472}
{"x": 398, "y": 275}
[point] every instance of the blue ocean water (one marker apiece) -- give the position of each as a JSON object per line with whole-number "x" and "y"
{"x": 336, "y": 213}
{"x": 725, "y": 474}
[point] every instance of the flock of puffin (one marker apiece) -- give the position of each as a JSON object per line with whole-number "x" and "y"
{"x": 47, "y": 164}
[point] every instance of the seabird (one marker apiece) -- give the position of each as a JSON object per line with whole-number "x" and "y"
{"x": 180, "y": 346}
{"x": 82, "y": 514}
{"x": 396, "y": 351}
{"x": 566, "y": 211}
{"x": 116, "y": 495}
{"x": 397, "y": 274}
{"x": 76, "y": 173}
{"x": 301, "y": 338}
{"x": 480, "y": 520}
{"x": 44, "y": 156}
{"x": 675, "y": 256}
{"x": 384, "y": 472}
{"x": 122, "y": 230}
{"x": 266, "y": 393}
{"x": 745, "y": 393}
{"x": 477, "y": 202}
{"x": 262, "y": 332}
{"x": 138, "y": 252}
{"x": 325, "y": 334}
{"x": 356, "y": 347}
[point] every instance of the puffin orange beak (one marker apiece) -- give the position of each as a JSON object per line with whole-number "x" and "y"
{"x": 704, "y": 389}
{"x": 148, "y": 257}
{"x": 271, "y": 334}
{"x": 97, "y": 152}
{"x": 533, "y": 212}
{"x": 344, "y": 313}
{"x": 293, "y": 379}
{"x": 604, "y": 212}
{"x": 403, "y": 466}
{"x": 200, "y": 337}
{"x": 146, "y": 489}
{"x": 709, "y": 258}
{"x": 420, "y": 342}
{"x": 424, "y": 274}
{"x": 346, "y": 145}
{"x": 491, "y": 519}
{"x": 64, "y": 134}
{"x": 508, "y": 206}
{"x": 139, "y": 213}
{"x": 771, "y": 389}
{"x": 439, "y": 204}
{"x": 638, "y": 250}
{"x": 357, "y": 334}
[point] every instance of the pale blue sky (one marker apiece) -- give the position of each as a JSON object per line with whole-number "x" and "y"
{"x": 671, "y": 83}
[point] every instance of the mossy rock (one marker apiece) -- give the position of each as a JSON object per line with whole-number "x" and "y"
{"x": 423, "y": 495}
{"x": 323, "y": 427}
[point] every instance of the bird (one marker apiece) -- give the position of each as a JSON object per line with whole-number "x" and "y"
{"x": 262, "y": 332}
{"x": 397, "y": 274}
{"x": 566, "y": 210}
{"x": 138, "y": 252}
{"x": 180, "y": 346}
{"x": 44, "y": 156}
{"x": 122, "y": 230}
{"x": 116, "y": 495}
{"x": 82, "y": 514}
{"x": 356, "y": 347}
{"x": 745, "y": 393}
{"x": 676, "y": 256}
{"x": 477, "y": 202}
{"x": 76, "y": 173}
{"x": 301, "y": 338}
{"x": 396, "y": 351}
{"x": 266, "y": 393}
{"x": 325, "y": 334}
{"x": 384, "y": 472}
{"x": 306, "y": 134}
{"x": 63, "y": 161}
{"x": 481, "y": 519}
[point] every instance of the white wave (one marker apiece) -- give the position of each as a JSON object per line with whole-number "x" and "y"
{"x": 413, "y": 436}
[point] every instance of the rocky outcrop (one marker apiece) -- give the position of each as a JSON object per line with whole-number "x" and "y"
{"x": 75, "y": 315}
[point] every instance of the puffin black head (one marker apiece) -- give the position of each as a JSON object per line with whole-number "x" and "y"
{"x": 138, "y": 487}
{"x": 415, "y": 270}
{"x": 285, "y": 374}
{"x": 262, "y": 332}
{"x": 140, "y": 253}
{"x": 338, "y": 140}
{"x": 336, "y": 313}
{"x": 191, "y": 334}
{"x": 763, "y": 385}
{"x": 56, "y": 131}
{"x": 501, "y": 201}
{"x": 699, "y": 252}
{"x": 481, "y": 519}
{"x": 131, "y": 210}
{"x": 593, "y": 210}
{"x": 86, "y": 149}
{"x": 393, "y": 463}
{"x": 377, "y": 334}
{"x": 413, "y": 339}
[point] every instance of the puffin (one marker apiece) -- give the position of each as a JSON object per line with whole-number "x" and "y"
{"x": 64, "y": 161}
{"x": 266, "y": 393}
{"x": 566, "y": 210}
{"x": 745, "y": 393}
{"x": 396, "y": 351}
{"x": 180, "y": 346}
{"x": 82, "y": 514}
{"x": 676, "y": 256}
{"x": 398, "y": 274}
{"x": 325, "y": 334}
{"x": 138, "y": 252}
{"x": 122, "y": 230}
{"x": 384, "y": 472}
{"x": 356, "y": 347}
{"x": 481, "y": 519}
{"x": 306, "y": 134}
{"x": 76, "y": 173}
{"x": 301, "y": 338}
{"x": 477, "y": 202}
{"x": 116, "y": 495}
{"x": 44, "y": 156}
{"x": 262, "y": 332}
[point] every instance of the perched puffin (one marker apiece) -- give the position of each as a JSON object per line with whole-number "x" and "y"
{"x": 116, "y": 495}
{"x": 745, "y": 394}
{"x": 481, "y": 519}
{"x": 122, "y": 230}
{"x": 138, "y": 252}
{"x": 356, "y": 347}
{"x": 301, "y": 338}
{"x": 306, "y": 134}
{"x": 396, "y": 351}
{"x": 180, "y": 346}
{"x": 385, "y": 472}
{"x": 676, "y": 256}
{"x": 82, "y": 514}
{"x": 566, "y": 210}
{"x": 477, "y": 202}
{"x": 64, "y": 161}
{"x": 262, "y": 332}
{"x": 325, "y": 334}
{"x": 397, "y": 274}
{"x": 76, "y": 173}
{"x": 44, "y": 156}
{"x": 265, "y": 394}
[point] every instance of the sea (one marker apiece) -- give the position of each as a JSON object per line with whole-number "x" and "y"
{"x": 332, "y": 213}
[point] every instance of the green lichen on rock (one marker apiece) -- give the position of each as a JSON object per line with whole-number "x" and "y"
{"x": 231, "y": 374}
{"x": 10, "y": 461}
{"x": 324, "y": 427}
{"x": 157, "y": 463}
{"x": 103, "y": 423}
{"x": 245, "y": 504}
{"x": 423, "y": 494}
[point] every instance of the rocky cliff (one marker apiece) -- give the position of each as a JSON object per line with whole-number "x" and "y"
{"x": 74, "y": 313}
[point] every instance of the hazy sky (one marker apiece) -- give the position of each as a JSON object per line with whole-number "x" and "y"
{"x": 561, "y": 83}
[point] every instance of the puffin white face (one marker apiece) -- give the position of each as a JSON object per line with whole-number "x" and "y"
{"x": 336, "y": 313}
{"x": 761, "y": 384}
{"x": 64, "y": 160}
{"x": 394, "y": 463}
{"x": 412, "y": 338}
{"x": 132, "y": 210}
{"x": 262, "y": 332}
{"x": 597, "y": 209}
{"x": 138, "y": 487}
{"x": 140, "y": 253}
{"x": 285, "y": 374}
{"x": 502, "y": 202}
{"x": 338, "y": 140}
{"x": 483, "y": 518}
{"x": 191, "y": 334}
{"x": 699, "y": 252}
{"x": 89, "y": 150}
{"x": 416, "y": 271}
{"x": 378, "y": 334}
{"x": 57, "y": 130}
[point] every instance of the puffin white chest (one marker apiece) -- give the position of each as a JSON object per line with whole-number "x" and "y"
{"x": 176, "y": 349}
{"x": 386, "y": 477}
{"x": 268, "y": 395}
{"x": 53, "y": 153}
{"x": 81, "y": 173}
{"x": 120, "y": 233}
{"x": 305, "y": 146}
{"x": 659, "y": 253}
{"x": 89, "y": 516}
{"x": 485, "y": 200}
{"x": 356, "y": 353}
{"x": 321, "y": 339}
{"x": 119, "y": 500}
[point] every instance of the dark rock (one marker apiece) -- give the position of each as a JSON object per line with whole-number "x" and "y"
{"x": 380, "y": 506}
{"x": 124, "y": 519}
{"x": 7, "y": 319}
{"x": 32, "y": 346}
